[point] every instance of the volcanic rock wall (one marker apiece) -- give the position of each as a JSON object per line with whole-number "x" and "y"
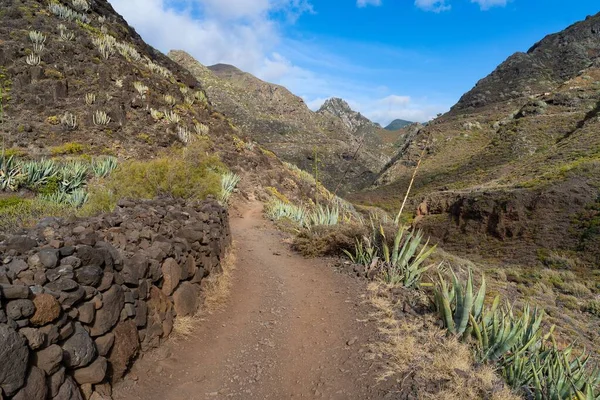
{"x": 81, "y": 298}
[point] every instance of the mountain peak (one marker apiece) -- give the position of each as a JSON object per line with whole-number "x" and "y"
{"x": 337, "y": 107}
{"x": 398, "y": 124}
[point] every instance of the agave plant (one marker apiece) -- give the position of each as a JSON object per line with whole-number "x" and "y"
{"x": 277, "y": 210}
{"x": 37, "y": 173}
{"x": 201, "y": 129}
{"x": 229, "y": 181}
{"x": 172, "y": 117}
{"x": 402, "y": 263}
{"x": 324, "y": 216}
{"x": 73, "y": 176}
{"x": 365, "y": 253}
{"x": 456, "y": 304}
{"x": 10, "y": 172}
{"x": 101, "y": 118}
{"x": 104, "y": 166}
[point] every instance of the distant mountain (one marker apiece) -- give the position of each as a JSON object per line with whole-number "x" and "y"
{"x": 513, "y": 170}
{"x": 397, "y": 124}
{"x": 281, "y": 122}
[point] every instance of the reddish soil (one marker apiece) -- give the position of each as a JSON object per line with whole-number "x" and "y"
{"x": 292, "y": 328}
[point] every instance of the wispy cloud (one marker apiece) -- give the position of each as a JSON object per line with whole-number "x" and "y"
{"x": 435, "y": 6}
{"x": 487, "y": 4}
{"x": 364, "y": 3}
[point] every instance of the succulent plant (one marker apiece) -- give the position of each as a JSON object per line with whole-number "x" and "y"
{"x": 229, "y": 181}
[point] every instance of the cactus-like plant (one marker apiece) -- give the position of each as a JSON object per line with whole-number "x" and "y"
{"x": 184, "y": 135}
{"x": 324, "y": 215}
{"x": 101, "y": 118}
{"x": 81, "y": 5}
{"x": 156, "y": 115}
{"x": 277, "y": 210}
{"x": 10, "y": 171}
{"x": 456, "y": 303}
{"x": 66, "y": 13}
{"x": 141, "y": 88}
{"x": 90, "y": 98}
{"x": 170, "y": 100}
{"x": 33, "y": 59}
{"x": 69, "y": 120}
{"x": 104, "y": 166}
{"x": 37, "y": 39}
{"x": 402, "y": 263}
{"x": 37, "y": 173}
{"x": 229, "y": 182}
{"x": 172, "y": 117}
{"x": 201, "y": 129}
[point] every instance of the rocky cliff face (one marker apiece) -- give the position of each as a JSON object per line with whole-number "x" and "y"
{"x": 282, "y": 123}
{"x": 516, "y": 161}
{"x": 353, "y": 120}
{"x": 550, "y": 62}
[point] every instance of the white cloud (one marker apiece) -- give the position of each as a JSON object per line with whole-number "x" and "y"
{"x": 487, "y": 4}
{"x": 364, "y": 3}
{"x": 433, "y": 5}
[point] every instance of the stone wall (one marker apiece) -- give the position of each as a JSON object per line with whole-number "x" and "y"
{"x": 80, "y": 299}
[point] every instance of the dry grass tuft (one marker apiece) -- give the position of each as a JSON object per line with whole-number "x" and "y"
{"x": 427, "y": 363}
{"x": 215, "y": 295}
{"x": 184, "y": 326}
{"x": 218, "y": 286}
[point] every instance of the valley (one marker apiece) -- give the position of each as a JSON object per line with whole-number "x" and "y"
{"x": 170, "y": 230}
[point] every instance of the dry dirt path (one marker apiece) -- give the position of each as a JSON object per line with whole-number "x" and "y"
{"x": 292, "y": 328}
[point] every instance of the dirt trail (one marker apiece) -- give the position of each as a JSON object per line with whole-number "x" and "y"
{"x": 293, "y": 328}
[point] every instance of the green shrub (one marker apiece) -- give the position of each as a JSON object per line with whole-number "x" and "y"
{"x": 19, "y": 212}
{"x": 67, "y": 148}
{"x": 189, "y": 173}
{"x": 593, "y": 307}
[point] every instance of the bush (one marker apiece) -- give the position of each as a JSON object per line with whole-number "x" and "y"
{"x": 67, "y": 148}
{"x": 17, "y": 212}
{"x": 189, "y": 173}
{"x": 329, "y": 240}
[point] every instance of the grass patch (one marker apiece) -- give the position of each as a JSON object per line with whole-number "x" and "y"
{"x": 188, "y": 173}
{"x": 67, "y": 148}
{"x": 17, "y": 212}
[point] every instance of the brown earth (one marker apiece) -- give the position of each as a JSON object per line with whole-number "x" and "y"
{"x": 292, "y": 328}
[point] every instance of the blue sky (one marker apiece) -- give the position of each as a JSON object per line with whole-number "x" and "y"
{"x": 388, "y": 58}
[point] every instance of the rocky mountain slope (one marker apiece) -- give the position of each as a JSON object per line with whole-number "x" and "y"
{"x": 513, "y": 170}
{"x": 397, "y": 124}
{"x": 281, "y": 122}
{"x": 78, "y": 81}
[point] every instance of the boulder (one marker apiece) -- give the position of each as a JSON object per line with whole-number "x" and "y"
{"x": 49, "y": 359}
{"x": 21, "y": 244}
{"x": 171, "y": 275}
{"x": 14, "y": 355}
{"x": 93, "y": 373}
{"x": 79, "y": 349}
{"x": 87, "y": 311}
{"x": 21, "y": 308}
{"x": 68, "y": 391}
{"x": 48, "y": 257}
{"x": 186, "y": 299}
{"x": 35, "y": 386}
{"x": 105, "y": 343}
{"x": 55, "y": 381}
{"x": 47, "y": 309}
{"x": 124, "y": 349}
{"x": 35, "y": 338}
{"x": 89, "y": 275}
{"x": 14, "y": 291}
{"x": 113, "y": 301}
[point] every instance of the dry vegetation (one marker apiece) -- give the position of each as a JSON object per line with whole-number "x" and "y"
{"x": 422, "y": 359}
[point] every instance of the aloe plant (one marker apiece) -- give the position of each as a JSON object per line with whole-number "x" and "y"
{"x": 37, "y": 173}
{"x": 456, "y": 303}
{"x": 402, "y": 263}
{"x": 277, "y": 210}
{"x": 229, "y": 181}
{"x": 102, "y": 167}
{"x": 364, "y": 252}
{"x": 324, "y": 215}
{"x": 73, "y": 176}
{"x": 10, "y": 172}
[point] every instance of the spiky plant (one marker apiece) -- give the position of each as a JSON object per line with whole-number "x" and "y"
{"x": 141, "y": 89}
{"x": 229, "y": 182}
{"x": 456, "y": 303}
{"x": 38, "y": 173}
{"x": 73, "y": 176}
{"x": 184, "y": 135}
{"x": 170, "y": 100}
{"x": 102, "y": 167}
{"x": 90, "y": 98}
{"x": 10, "y": 170}
{"x": 201, "y": 129}
{"x": 66, "y": 13}
{"x": 33, "y": 59}
{"x": 101, "y": 118}
{"x": 69, "y": 120}
{"x": 277, "y": 210}
{"x": 201, "y": 97}
{"x": 156, "y": 115}
{"x": 365, "y": 253}
{"x": 81, "y": 5}
{"x": 324, "y": 215}
{"x": 172, "y": 117}
{"x": 37, "y": 39}
{"x": 66, "y": 35}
